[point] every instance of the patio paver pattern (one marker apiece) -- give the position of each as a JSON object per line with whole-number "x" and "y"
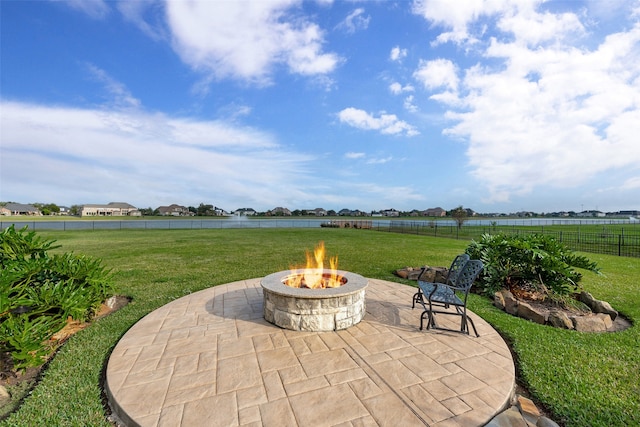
{"x": 210, "y": 358}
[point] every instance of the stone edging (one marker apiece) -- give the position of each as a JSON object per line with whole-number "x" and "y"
{"x": 601, "y": 319}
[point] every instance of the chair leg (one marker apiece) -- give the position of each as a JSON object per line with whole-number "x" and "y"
{"x": 417, "y": 298}
{"x": 470, "y": 320}
{"x": 464, "y": 323}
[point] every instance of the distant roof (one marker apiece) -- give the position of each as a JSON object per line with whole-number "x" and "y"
{"x": 19, "y": 207}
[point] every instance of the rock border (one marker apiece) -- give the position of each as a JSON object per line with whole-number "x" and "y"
{"x": 603, "y": 317}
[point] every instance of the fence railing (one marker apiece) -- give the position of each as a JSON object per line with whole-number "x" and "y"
{"x": 604, "y": 242}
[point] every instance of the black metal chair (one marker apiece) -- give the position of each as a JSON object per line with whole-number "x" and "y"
{"x": 425, "y": 288}
{"x": 446, "y": 295}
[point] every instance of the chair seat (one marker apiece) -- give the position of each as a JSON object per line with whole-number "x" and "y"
{"x": 442, "y": 292}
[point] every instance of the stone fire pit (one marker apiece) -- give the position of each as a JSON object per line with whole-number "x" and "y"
{"x": 302, "y": 309}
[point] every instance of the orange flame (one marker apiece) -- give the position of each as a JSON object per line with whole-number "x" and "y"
{"x": 313, "y": 275}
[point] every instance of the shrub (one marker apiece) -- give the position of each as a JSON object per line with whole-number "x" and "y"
{"x": 512, "y": 261}
{"x": 38, "y": 292}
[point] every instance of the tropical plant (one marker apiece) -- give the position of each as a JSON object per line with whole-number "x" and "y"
{"x": 532, "y": 260}
{"x": 39, "y": 292}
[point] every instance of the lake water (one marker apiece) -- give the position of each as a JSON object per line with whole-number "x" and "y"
{"x": 168, "y": 224}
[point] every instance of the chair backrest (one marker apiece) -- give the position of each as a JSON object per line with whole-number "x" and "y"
{"x": 455, "y": 269}
{"x": 468, "y": 274}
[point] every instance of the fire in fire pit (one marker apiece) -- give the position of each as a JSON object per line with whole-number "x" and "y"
{"x": 314, "y": 275}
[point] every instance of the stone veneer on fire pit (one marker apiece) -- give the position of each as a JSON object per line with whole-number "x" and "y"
{"x": 302, "y": 309}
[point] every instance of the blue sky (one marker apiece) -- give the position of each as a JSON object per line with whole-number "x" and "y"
{"x": 499, "y": 106}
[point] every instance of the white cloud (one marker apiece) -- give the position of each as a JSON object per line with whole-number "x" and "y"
{"x": 397, "y": 53}
{"x": 437, "y": 73}
{"x": 119, "y": 95}
{"x": 388, "y": 124}
{"x": 379, "y": 161}
{"x": 352, "y": 155}
{"x": 355, "y": 21}
{"x": 545, "y": 113}
{"x": 135, "y": 11}
{"x": 247, "y": 41}
{"x": 396, "y": 88}
{"x": 96, "y": 9}
{"x": 533, "y": 28}
{"x": 458, "y": 19}
{"x": 409, "y": 104}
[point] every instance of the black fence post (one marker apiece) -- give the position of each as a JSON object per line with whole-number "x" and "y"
{"x": 619, "y": 244}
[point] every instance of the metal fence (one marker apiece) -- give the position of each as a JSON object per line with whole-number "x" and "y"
{"x": 604, "y": 242}
{"x": 161, "y": 224}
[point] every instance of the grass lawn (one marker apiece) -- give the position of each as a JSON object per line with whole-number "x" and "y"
{"x": 584, "y": 379}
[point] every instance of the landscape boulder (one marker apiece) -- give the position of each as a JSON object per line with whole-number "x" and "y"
{"x": 598, "y": 306}
{"x": 510, "y": 303}
{"x": 559, "y": 319}
{"x": 527, "y": 311}
{"x": 431, "y": 274}
{"x": 606, "y": 319}
{"x": 588, "y": 324}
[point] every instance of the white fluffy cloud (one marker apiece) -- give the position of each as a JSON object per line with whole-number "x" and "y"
{"x": 437, "y": 73}
{"x": 397, "y": 53}
{"x": 545, "y": 112}
{"x": 246, "y": 41}
{"x": 388, "y": 124}
{"x": 356, "y": 20}
{"x": 396, "y": 88}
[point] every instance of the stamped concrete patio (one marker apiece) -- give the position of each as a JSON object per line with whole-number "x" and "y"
{"x": 210, "y": 358}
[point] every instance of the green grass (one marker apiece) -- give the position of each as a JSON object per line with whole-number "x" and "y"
{"x": 584, "y": 379}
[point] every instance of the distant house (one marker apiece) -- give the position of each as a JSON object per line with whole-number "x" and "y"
{"x": 219, "y": 211}
{"x": 111, "y": 209}
{"x": 279, "y": 211}
{"x": 391, "y": 212}
{"x": 174, "y": 210}
{"x": 437, "y": 212}
{"x": 20, "y": 209}
{"x": 591, "y": 214}
{"x": 316, "y": 212}
{"x": 245, "y": 212}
